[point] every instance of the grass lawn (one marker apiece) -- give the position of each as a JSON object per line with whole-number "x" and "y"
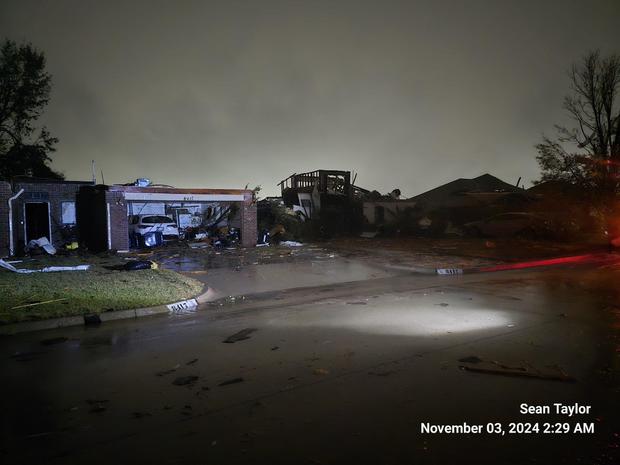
{"x": 84, "y": 292}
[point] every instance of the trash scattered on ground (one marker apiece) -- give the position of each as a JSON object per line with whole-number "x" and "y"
{"x": 239, "y": 336}
{"x": 320, "y": 371}
{"x": 231, "y": 381}
{"x": 134, "y": 265}
{"x": 41, "y": 243}
{"x": 37, "y": 303}
{"x": 54, "y": 340}
{"x": 185, "y": 380}
{"x": 291, "y": 243}
{"x": 493, "y": 367}
{"x": 369, "y": 235}
{"x": 47, "y": 269}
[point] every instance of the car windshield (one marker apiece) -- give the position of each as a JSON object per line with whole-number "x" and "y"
{"x": 156, "y": 219}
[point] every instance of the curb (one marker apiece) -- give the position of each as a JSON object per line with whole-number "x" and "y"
{"x": 83, "y": 320}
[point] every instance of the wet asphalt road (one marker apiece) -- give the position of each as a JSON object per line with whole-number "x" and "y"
{"x": 332, "y": 373}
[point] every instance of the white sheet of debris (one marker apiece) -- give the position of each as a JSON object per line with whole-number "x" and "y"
{"x": 47, "y": 269}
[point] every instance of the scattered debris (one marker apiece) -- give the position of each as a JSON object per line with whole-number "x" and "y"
{"x": 134, "y": 265}
{"x": 54, "y": 340}
{"x": 496, "y": 368}
{"x": 239, "y": 336}
{"x": 231, "y": 381}
{"x": 185, "y": 380}
{"x": 41, "y": 243}
{"x": 320, "y": 371}
{"x": 47, "y": 269}
{"x": 291, "y": 243}
{"x": 38, "y": 303}
{"x": 369, "y": 235}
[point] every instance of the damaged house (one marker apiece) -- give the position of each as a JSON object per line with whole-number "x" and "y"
{"x": 109, "y": 215}
{"x": 103, "y": 217}
{"x": 326, "y": 195}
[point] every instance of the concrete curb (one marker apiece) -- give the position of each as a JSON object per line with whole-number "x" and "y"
{"x": 53, "y": 323}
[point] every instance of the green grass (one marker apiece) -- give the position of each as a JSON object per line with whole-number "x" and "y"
{"x": 94, "y": 291}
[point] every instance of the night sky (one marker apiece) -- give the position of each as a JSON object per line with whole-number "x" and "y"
{"x": 408, "y": 94}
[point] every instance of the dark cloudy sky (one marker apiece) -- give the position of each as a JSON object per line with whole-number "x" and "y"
{"x": 408, "y": 94}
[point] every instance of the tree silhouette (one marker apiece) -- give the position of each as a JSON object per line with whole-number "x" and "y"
{"x": 24, "y": 93}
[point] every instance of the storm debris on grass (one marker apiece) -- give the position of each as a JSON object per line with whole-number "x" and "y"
{"x": 88, "y": 292}
{"x": 239, "y": 336}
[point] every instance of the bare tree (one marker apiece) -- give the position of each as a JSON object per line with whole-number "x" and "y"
{"x": 593, "y": 159}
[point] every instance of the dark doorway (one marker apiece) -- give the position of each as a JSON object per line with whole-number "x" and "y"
{"x": 379, "y": 214}
{"x": 37, "y": 221}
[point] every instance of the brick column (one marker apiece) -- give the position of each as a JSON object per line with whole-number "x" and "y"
{"x": 118, "y": 227}
{"x": 248, "y": 221}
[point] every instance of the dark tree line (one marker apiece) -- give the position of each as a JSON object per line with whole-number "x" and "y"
{"x": 25, "y": 88}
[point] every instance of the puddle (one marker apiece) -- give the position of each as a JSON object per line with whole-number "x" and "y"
{"x": 275, "y": 277}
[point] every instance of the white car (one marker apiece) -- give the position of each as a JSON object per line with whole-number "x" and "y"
{"x": 143, "y": 224}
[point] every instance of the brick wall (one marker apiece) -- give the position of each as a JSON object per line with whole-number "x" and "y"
{"x": 54, "y": 193}
{"x": 248, "y": 221}
{"x": 5, "y": 194}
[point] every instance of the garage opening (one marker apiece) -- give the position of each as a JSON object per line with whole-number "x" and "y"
{"x": 37, "y": 221}
{"x": 159, "y": 222}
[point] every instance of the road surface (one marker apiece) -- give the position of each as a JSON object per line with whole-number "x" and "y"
{"x": 345, "y": 372}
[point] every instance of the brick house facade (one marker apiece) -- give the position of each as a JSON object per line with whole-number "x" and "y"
{"x": 98, "y": 214}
